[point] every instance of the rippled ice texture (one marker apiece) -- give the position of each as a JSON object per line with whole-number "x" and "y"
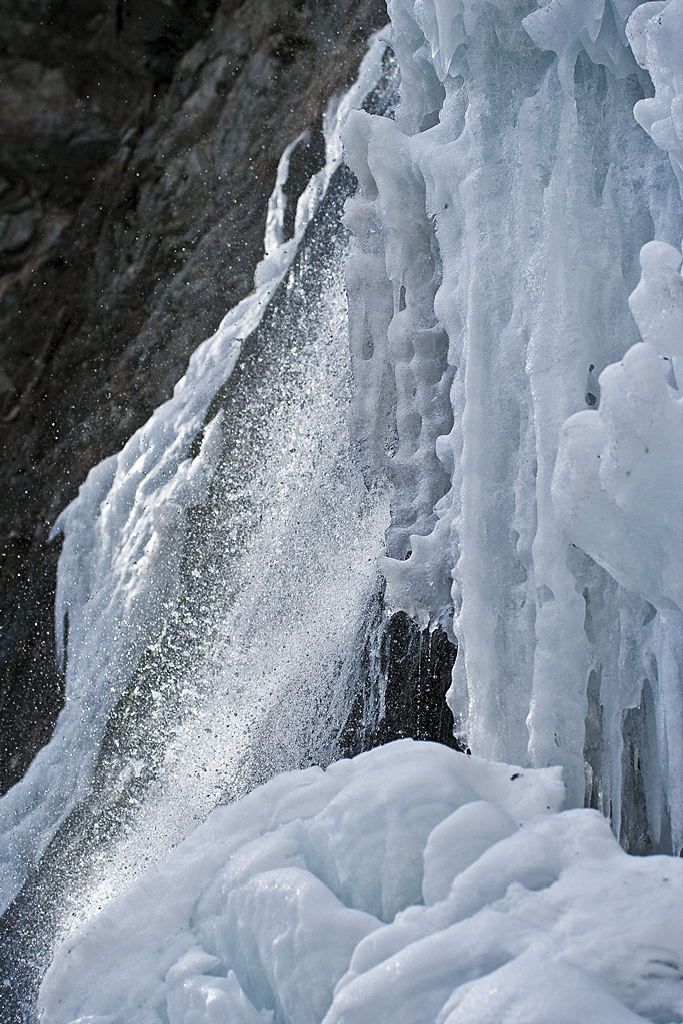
{"x": 496, "y": 239}
{"x": 410, "y": 885}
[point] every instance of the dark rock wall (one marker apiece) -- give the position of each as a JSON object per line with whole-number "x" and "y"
{"x": 414, "y": 670}
{"x": 139, "y": 141}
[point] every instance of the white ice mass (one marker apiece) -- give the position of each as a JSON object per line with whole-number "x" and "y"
{"x": 410, "y": 885}
{"x": 515, "y": 316}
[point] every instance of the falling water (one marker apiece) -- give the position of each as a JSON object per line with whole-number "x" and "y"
{"x": 240, "y": 653}
{"x": 222, "y": 578}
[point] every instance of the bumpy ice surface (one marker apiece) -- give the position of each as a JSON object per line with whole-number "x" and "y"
{"x": 410, "y": 885}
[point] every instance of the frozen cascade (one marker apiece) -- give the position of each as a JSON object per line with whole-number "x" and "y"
{"x": 525, "y": 413}
{"x": 489, "y": 305}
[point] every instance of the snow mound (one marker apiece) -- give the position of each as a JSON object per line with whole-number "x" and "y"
{"x": 412, "y": 884}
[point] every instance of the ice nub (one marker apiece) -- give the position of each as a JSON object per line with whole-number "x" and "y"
{"x": 654, "y": 32}
{"x": 617, "y": 463}
{"x": 457, "y": 842}
{"x": 657, "y": 302}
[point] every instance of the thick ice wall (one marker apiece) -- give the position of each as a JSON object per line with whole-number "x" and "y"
{"x": 618, "y": 491}
{"x": 407, "y": 407}
{"x": 516, "y": 136}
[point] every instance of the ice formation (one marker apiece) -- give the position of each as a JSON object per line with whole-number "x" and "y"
{"x": 655, "y": 38}
{"x": 517, "y": 384}
{"x": 410, "y": 885}
{"x": 496, "y": 231}
{"x": 119, "y": 571}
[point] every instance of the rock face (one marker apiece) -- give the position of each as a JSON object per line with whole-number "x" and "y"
{"x": 138, "y": 145}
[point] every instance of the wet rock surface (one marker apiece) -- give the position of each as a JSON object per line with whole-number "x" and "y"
{"x": 138, "y": 147}
{"x": 414, "y": 675}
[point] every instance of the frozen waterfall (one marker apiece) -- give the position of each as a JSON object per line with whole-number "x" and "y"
{"x": 121, "y": 572}
{"x": 496, "y": 233}
{"x": 498, "y": 453}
